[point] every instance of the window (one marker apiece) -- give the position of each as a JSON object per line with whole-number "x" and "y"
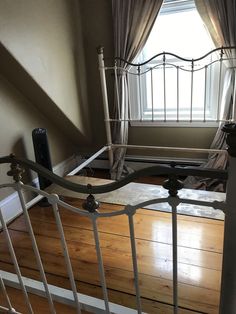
{"x": 171, "y": 90}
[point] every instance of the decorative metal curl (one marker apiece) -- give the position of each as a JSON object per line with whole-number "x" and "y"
{"x": 172, "y": 184}
{"x": 91, "y": 204}
{"x": 16, "y": 171}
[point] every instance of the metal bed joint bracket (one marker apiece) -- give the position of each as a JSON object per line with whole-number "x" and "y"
{"x": 91, "y": 204}
{"x": 172, "y": 184}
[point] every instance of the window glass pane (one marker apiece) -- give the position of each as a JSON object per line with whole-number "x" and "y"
{"x": 178, "y": 33}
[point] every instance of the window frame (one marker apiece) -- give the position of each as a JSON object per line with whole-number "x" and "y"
{"x": 171, "y": 7}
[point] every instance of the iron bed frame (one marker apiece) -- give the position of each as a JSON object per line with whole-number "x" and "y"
{"x": 52, "y": 293}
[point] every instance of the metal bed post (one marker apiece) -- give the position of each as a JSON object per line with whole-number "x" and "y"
{"x": 234, "y": 97}
{"x": 105, "y": 103}
{"x": 191, "y": 95}
{"x": 228, "y": 279}
{"x": 219, "y": 85}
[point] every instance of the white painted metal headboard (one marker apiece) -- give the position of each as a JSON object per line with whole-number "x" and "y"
{"x": 138, "y": 72}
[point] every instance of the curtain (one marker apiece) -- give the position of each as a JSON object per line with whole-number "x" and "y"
{"x": 220, "y": 19}
{"x": 132, "y": 21}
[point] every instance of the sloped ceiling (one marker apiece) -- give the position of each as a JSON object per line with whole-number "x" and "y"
{"x": 41, "y": 54}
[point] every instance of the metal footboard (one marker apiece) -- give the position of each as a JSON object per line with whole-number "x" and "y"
{"x": 90, "y": 210}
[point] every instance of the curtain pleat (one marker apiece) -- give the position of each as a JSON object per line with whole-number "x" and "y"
{"x": 133, "y": 21}
{"x": 220, "y": 19}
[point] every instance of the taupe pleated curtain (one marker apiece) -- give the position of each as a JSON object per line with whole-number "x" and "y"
{"x": 133, "y": 21}
{"x": 219, "y": 16}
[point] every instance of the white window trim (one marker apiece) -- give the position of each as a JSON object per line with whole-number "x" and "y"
{"x": 174, "y": 124}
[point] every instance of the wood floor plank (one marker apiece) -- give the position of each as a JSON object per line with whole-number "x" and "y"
{"x": 39, "y": 304}
{"x": 85, "y": 269}
{"x": 200, "y": 235}
{"x": 148, "y": 306}
{"x": 200, "y": 244}
{"x": 159, "y": 255}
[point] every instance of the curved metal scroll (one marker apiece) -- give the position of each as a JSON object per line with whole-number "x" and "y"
{"x": 155, "y": 170}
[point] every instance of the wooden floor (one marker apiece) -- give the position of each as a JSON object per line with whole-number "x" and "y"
{"x": 199, "y": 262}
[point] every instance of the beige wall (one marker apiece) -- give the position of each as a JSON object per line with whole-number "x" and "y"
{"x": 173, "y": 137}
{"x": 18, "y": 118}
{"x": 44, "y": 36}
{"x": 42, "y": 78}
{"x": 98, "y": 30}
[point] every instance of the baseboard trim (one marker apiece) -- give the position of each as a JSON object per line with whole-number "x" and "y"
{"x": 10, "y": 205}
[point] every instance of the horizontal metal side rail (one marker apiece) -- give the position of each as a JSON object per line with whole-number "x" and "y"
{"x": 178, "y": 149}
{"x": 149, "y": 120}
{"x": 127, "y": 208}
{"x": 179, "y": 200}
{"x": 88, "y": 161}
{"x": 156, "y": 170}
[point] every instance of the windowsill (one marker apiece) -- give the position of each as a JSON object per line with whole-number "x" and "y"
{"x": 174, "y": 124}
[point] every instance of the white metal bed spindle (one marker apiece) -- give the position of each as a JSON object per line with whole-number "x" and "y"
{"x": 117, "y": 91}
{"x": 134, "y": 260}
{"x": 205, "y": 94}
{"x": 15, "y": 262}
{"x": 152, "y": 94}
{"x": 9, "y": 307}
{"x": 53, "y": 201}
{"x": 219, "y": 86}
{"x": 175, "y": 257}
{"x": 191, "y": 92}
{"x": 164, "y": 85}
{"x": 35, "y": 247}
{"x": 177, "y": 93}
{"x": 140, "y": 94}
{"x": 100, "y": 264}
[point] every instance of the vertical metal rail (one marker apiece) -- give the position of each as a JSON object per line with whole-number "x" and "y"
{"x": 140, "y": 96}
{"x": 14, "y": 260}
{"x": 152, "y": 94}
{"x": 164, "y": 84}
{"x": 135, "y": 264}
{"x": 177, "y": 95}
{"x": 4, "y": 291}
{"x": 100, "y": 264}
{"x": 175, "y": 258}
{"x": 116, "y": 88}
{"x": 66, "y": 256}
{"x": 35, "y": 249}
{"x": 191, "y": 97}
{"x": 234, "y": 97}
{"x": 129, "y": 102}
{"x": 228, "y": 275}
{"x": 105, "y": 103}
{"x": 219, "y": 86}
{"x": 205, "y": 95}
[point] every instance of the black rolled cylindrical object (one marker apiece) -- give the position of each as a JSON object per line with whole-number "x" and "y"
{"x": 42, "y": 153}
